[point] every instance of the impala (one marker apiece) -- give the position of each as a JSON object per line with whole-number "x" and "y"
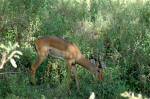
{"x": 65, "y": 50}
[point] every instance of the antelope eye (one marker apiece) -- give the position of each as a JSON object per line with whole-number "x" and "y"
{"x": 98, "y": 71}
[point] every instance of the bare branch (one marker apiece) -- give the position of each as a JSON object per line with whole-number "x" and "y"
{"x": 10, "y": 73}
{"x": 3, "y": 60}
{"x": 12, "y": 54}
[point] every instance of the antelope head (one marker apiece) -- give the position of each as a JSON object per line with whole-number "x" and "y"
{"x": 99, "y": 67}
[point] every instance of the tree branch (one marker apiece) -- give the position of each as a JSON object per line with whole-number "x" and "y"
{"x": 10, "y": 73}
{"x": 3, "y": 60}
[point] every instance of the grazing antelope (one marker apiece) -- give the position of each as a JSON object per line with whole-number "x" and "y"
{"x": 65, "y": 50}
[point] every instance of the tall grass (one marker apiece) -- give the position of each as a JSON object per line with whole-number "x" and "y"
{"x": 122, "y": 27}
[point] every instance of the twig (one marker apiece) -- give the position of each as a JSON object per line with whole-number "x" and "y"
{"x": 3, "y": 60}
{"x": 10, "y": 73}
{"x": 12, "y": 54}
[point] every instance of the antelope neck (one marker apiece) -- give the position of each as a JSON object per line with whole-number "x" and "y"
{"x": 86, "y": 64}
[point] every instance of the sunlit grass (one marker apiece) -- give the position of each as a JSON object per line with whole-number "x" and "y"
{"x": 122, "y": 26}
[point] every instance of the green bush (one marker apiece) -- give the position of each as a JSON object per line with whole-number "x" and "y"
{"x": 120, "y": 28}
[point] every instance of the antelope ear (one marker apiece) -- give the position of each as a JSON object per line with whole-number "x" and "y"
{"x": 92, "y": 61}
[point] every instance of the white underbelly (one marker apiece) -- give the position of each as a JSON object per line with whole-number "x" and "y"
{"x": 57, "y": 57}
{"x": 57, "y": 53}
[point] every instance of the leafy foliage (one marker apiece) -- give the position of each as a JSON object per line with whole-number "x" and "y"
{"x": 120, "y": 28}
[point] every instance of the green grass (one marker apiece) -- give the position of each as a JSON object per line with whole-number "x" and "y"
{"x": 17, "y": 86}
{"x": 118, "y": 26}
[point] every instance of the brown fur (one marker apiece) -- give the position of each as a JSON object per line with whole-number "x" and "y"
{"x": 66, "y": 50}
